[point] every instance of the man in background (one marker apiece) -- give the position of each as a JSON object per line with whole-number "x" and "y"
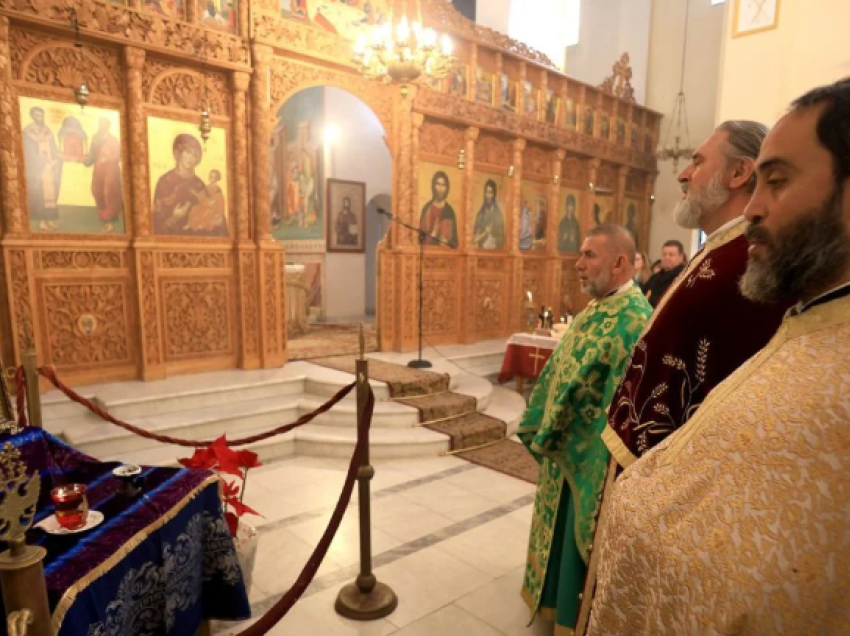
{"x": 672, "y": 264}
{"x": 566, "y": 414}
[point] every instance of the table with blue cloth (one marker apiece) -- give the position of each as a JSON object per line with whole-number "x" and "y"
{"x": 161, "y": 562}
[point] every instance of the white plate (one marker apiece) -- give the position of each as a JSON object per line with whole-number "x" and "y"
{"x": 51, "y": 525}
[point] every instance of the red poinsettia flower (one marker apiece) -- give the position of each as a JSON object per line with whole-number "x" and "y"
{"x": 248, "y": 459}
{"x": 230, "y": 490}
{"x": 203, "y": 459}
{"x": 228, "y": 459}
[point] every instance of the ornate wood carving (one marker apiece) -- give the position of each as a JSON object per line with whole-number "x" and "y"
{"x": 537, "y": 161}
{"x": 606, "y": 177}
{"x": 85, "y": 323}
{"x": 489, "y": 305}
{"x": 273, "y": 344}
{"x": 45, "y": 61}
{"x": 73, "y": 259}
{"x": 188, "y": 89}
{"x": 439, "y": 299}
{"x": 134, "y": 60}
{"x": 432, "y": 264}
{"x": 250, "y": 309}
{"x": 18, "y": 271}
{"x": 304, "y": 38}
{"x": 574, "y": 170}
{"x": 14, "y": 220}
{"x": 493, "y": 151}
{"x": 242, "y": 208}
{"x": 261, "y": 127}
{"x": 149, "y": 309}
{"x": 196, "y": 318}
{"x": 441, "y": 140}
{"x": 491, "y": 264}
{"x": 619, "y": 84}
{"x": 635, "y": 182}
{"x": 186, "y": 260}
{"x": 132, "y": 25}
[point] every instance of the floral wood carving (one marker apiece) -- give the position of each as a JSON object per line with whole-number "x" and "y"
{"x": 491, "y": 264}
{"x": 606, "y": 177}
{"x": 574, "y": 170}
{"x": 21, "y": 297}
{"x": 439, "y": 264}
{"x": 441, "y": 140}
{"x": 134, "y": 25}
{"x": 149, "y": 312}
{"x": 58, "y": 63}
{"x": 270, "y": 288}
{"x": 188, "y": 89}
{"x": 73, "y": 259}
{"x": 619, "y": 84}
{"x": 199, "y": 260}
{"x": 250, "y": 311}
{"x": 196, "y": 318}
{"x": 444, "y": 17}
{"x": 439, "y": 306}
{"x": 493, "y": 151}
{"x": 489, "y": 302}
{"x": 303, "y": 38}
{"x": 635, "y": 182}
{"x": 537, "y": 161}
{"x": 85, "y": 324}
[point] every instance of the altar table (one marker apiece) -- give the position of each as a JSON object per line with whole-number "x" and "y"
{"x": 525, "y": 357}
{"x": 161, "y": 562}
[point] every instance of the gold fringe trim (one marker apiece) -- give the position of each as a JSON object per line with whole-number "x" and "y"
{"x": 446, "y": 419}
{"x": 72, "y": 592}
{"x": 619, "y": 450}
{"x": 419, "y": 397}
{"x": 473, "y": 448}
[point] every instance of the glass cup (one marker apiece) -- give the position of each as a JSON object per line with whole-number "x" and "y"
{"x": 72, "y": 507}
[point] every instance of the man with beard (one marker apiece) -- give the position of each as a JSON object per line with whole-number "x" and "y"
{"x": 567, "y": 412}
{"x": 703, "y": 328}
{"x": 438, "y": 218}
{"x": 740, "y": 522}
{"x": 672, "y": 264}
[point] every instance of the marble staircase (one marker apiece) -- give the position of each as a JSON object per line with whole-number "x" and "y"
{"x": 242, "y": 403}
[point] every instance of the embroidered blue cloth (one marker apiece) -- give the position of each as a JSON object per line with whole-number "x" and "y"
{"x": 161, "y": 562}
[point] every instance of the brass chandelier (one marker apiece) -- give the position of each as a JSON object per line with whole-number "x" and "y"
{"x": 403, "y": 52}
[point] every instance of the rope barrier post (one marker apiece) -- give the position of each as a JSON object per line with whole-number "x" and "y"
{"x": 366, "y": 599}
{"x": 33, "y": 398}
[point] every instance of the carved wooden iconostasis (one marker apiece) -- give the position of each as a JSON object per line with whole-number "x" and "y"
{"x": 132, "y": 248}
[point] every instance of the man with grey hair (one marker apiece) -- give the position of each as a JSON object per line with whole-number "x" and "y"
{"x": 567, "y": 412}
{"x": 704, "y": 328}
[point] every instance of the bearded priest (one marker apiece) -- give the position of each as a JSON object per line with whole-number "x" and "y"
{"x": 703, "y": 328}
{"x": 739, "y": 523}
{"x": 565, "y": 417}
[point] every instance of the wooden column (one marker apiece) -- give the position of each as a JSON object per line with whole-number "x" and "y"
{"x": 411, "y": 180}
{"x": 246, "y": 253}
{"x": 13, "y": 218}
{"x": 243, "y": 24}
{"x": 190, "y": 7}
{"x": 517, "y": 292}
{"x": 586, "y": 213}
{"x": 620, "y": 196}
{"x": 467, "y": 261}
{"x": 553, "y": 272}
{"x": 152, "y": 360}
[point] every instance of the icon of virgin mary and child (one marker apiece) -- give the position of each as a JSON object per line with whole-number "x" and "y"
{"x": 182, "y": 204}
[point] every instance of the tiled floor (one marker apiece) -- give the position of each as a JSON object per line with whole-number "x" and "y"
{"x": 449, "y": 537}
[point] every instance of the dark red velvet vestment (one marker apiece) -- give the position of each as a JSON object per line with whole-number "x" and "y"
{"x": 702, "y": 331}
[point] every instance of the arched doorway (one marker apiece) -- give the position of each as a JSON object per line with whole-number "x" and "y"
{"x": 329, "y": 159}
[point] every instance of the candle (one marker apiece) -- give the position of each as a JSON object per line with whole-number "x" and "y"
{"x": 72, "y": 507}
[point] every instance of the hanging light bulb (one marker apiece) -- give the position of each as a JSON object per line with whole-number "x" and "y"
{"x": 205, "y": 127}
{"x": 81, "y": 94}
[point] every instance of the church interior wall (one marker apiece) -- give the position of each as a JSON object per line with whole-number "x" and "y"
{"x": 164, "y": 288}
{"x": 705, "y": 34}
{"x": 763, "y": 72}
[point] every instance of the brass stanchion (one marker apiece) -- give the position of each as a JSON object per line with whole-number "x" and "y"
{"x": 33, "y": 397}
{"x": 21, "y": 569}
{"x": 366, "y": 599}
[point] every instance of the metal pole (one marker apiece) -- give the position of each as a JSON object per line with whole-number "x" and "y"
{"x": 366, "y": 599}
{"x": 419, "y": 363}
{"x": 33, "y": 395}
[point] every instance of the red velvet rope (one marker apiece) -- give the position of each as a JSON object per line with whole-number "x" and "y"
{"x": 275, "y": 613}
{"x": 50, "y": 374}
{"x": 21, "y": 396}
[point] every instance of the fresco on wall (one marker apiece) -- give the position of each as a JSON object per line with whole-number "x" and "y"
{"x": 297, "y": 173}
{"x": 533, "y": 215}
{"x": 72, "y": 165}
{"x": 488, "y": 199}
{"x": 569, "y": 232}
{"x": 188, "y": 179}
{"x": 440, "y": 190}
{"x": 221, "y": 15}
{"x": 167, "y": 8}
{"x": 348, "y": 18}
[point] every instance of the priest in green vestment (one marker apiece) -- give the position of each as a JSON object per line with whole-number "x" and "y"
{"x": 564, "y": 420}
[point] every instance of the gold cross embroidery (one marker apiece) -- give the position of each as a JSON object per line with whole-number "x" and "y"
{"x": 536, "y": 357}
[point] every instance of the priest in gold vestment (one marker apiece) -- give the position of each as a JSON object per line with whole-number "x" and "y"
{"x": 565, "y": 416}
{"x": 739, "y": 523}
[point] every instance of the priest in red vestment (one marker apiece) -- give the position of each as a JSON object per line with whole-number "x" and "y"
{"x": 105, "y": 156}
{"x": 703, "y": 327}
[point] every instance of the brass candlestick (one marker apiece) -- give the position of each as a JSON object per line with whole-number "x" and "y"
{"x": 366, "y": 599}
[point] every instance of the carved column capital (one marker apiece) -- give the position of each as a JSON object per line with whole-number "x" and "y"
{"x": 418, "y": 120}
{"x": 471, "y": 134}
{"x": 518, "y": 146}
{"x": 240, "y": 81}
{"x": 134, "y": 58}
{"x": 261, "y": 55}
{"x": 560, "y": 154}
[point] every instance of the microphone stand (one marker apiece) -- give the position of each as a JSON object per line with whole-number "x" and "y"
{"x": 419, "y": 363}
